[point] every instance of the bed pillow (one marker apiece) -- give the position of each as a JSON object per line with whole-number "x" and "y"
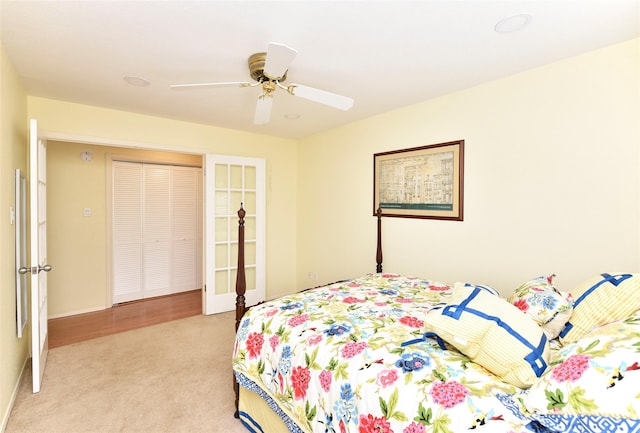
{"x": 479, "y": 286}
{"x": 541, "y": 301}
{"x": 492, "y": 333}
{"x": 601, "y": 299}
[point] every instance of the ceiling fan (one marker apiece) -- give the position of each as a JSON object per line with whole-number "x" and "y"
{"x": 269, "y": 70}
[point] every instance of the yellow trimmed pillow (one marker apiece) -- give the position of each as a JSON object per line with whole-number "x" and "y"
{"x": 492, "y": 333}
{"x": 479, "y": 286}
{"x": 599, "y": 300}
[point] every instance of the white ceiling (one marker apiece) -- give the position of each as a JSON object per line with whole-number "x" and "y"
{"x": 384, "y": 54}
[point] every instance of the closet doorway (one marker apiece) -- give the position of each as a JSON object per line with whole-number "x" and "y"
{"x": 156, "y": 229}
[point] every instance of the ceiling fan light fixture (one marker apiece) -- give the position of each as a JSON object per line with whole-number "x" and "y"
{"x": 268, "y": 87}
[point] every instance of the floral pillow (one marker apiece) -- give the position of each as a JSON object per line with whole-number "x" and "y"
{"x": 541, "y": 301}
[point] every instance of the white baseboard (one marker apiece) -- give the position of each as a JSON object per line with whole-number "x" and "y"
{"x": 73, "y": 313}
{"x": 14, "y": 395}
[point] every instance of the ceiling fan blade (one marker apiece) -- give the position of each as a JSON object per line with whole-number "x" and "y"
{"x": 263, "y": 109}
{"x": 222, "y": 84}
{"x": 321, "y": 96}
{"x": 279, "y": 57}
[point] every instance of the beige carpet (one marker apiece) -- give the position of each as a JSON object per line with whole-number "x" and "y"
{"x": 172, "y": 377}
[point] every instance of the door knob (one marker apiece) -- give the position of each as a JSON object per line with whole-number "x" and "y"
{"x": 23, "y": 270}
{"x": 45, "y": 268}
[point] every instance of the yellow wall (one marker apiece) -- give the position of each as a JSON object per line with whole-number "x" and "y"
{"x": 13, "y": 155}
{"x": 551, "y": 180}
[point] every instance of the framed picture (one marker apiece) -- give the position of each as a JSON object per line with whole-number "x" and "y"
{"x": 421, "y": 182}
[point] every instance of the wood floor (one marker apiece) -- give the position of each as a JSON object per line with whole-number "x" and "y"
{"x": 123, "y": 317}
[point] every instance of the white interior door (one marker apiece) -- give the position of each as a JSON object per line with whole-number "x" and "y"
{"x": 22, "y": 299}
{"x": 127, "y": 232}
{"x": 156, "y": 239}
{"x": 229, "y": 182}
{"x": 185, "y": 243}
{"x": 156, "y": 230}
{"x": 38, "y": 253}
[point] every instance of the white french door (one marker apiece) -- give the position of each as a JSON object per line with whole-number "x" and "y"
{"x": 229, "y": 183}
{"x": 38, "y": 253}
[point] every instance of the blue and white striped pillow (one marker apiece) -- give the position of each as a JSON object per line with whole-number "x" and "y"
{"x": 601, "y": 299}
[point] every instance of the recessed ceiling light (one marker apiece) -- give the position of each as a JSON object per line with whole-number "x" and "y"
{"x": 136, "y": 81}
{"x": 292, "y": 116}
{"x": 513, "y": 23}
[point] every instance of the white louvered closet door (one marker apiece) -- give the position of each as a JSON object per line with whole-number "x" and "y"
{"x": 157, "y": 248}
{"x": 127, "y": 231}
{"x": 200, "y": 224}
{"x": 186, "y": 233}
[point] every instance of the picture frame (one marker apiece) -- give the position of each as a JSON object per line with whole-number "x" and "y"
{"x": 420, "y": 182}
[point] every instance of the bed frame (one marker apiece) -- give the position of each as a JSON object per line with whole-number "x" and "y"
{"x": 241, "y": 282}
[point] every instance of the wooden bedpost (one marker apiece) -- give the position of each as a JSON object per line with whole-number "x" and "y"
{"x": 241, "y": 288}
{"x": 379, "y": 248}
{"x": 241, "y": 282}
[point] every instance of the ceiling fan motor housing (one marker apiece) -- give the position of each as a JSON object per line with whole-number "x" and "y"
{"x": 256, "y": 68}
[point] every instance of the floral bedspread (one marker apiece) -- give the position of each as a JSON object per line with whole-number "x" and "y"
{"x": 353, "y": 357}
{"x": 593, "y": 385}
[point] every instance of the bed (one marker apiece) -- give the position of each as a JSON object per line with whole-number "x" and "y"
{"x": 395, "y": 353}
